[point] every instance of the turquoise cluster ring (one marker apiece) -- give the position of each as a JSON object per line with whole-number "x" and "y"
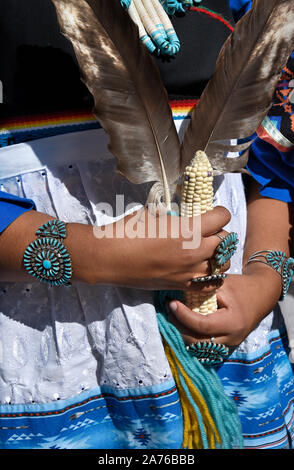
{"x": 208, "y": 352}
{"x": 226, "y": 248}
{"x": 46, "y": 258}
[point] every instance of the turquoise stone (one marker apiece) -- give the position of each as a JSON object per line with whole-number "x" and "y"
{"x": 46, "y": 264}
{"x": 46, "y": 258}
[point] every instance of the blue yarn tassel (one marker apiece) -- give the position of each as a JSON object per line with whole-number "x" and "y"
{"x": 222, "y": 409}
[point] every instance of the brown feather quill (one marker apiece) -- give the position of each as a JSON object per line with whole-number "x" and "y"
{"x": 239, "y": 94}
{"x": 130, "y": 100}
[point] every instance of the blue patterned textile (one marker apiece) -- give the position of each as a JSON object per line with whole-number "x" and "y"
{"x": 262, "y": 385}
{"x": 271, "y": 160}
{"x": 104, "y": 418}
{"x": 273, "y": 170}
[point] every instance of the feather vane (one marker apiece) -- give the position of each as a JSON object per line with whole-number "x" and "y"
{"x": 130, "y": 100}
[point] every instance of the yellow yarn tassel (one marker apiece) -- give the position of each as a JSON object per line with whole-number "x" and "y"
{"x": 191, "y": 433}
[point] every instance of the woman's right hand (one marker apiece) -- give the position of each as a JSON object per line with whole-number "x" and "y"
{"x": 142, "y": 251}
{"x": 168, "y": 261}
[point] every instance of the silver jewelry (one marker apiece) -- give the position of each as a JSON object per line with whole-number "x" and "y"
{"x": 208, "y": 352}
{"x": 46, "y": 258}
{"x": 277, "y": 260}
{"x": 226, "y": 248}
{"x": 212, "y": 277}
{"x": 220, "y": 236}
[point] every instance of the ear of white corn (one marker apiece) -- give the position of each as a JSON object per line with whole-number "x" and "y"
{"x": 196, "y": 199}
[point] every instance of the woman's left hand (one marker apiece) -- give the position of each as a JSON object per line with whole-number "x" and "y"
{"x": 243, "y": 300}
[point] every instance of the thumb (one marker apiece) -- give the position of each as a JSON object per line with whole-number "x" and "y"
{"x": 213, "y": 221}
{"x": 190, "y": 320}
{"x": 194, "y": 324}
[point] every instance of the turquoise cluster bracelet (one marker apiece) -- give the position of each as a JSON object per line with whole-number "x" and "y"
{"x": 46, "y": 258}
{"x": 277, "y": 260}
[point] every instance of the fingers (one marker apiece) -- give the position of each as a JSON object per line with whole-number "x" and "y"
{"x": 226, "y": 266}
{"x": 209, "y": 285}
{"x": 213, "y": 221}
{"x": 206, "y": 268}
{"x": 208, "y": 249}
{"x": 210, "y": 244}
{"x": 193, "y": 325}
{"x": 194, "y": 229}
{"x": 204, "y": 287}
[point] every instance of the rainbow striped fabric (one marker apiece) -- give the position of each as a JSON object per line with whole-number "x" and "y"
{"x": 25, "y": 128}
{"x": 182, "y": 109}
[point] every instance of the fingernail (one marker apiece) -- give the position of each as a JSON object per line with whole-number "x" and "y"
{"x": 173, "y": 306}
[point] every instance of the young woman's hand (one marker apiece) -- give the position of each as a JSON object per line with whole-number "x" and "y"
{"x": 166, "y": 261}
{"x": 243, "y": 300}
{"x": 141, "y": 250}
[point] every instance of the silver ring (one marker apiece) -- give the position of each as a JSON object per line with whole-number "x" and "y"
{"x": 226, "y": 248}
{"x": 220, "y": 237}
{"x": 212, "y": 277}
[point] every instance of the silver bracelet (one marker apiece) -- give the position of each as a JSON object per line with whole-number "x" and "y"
{"x": 277, "y": 260}
{"x": 46, "y": 258}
